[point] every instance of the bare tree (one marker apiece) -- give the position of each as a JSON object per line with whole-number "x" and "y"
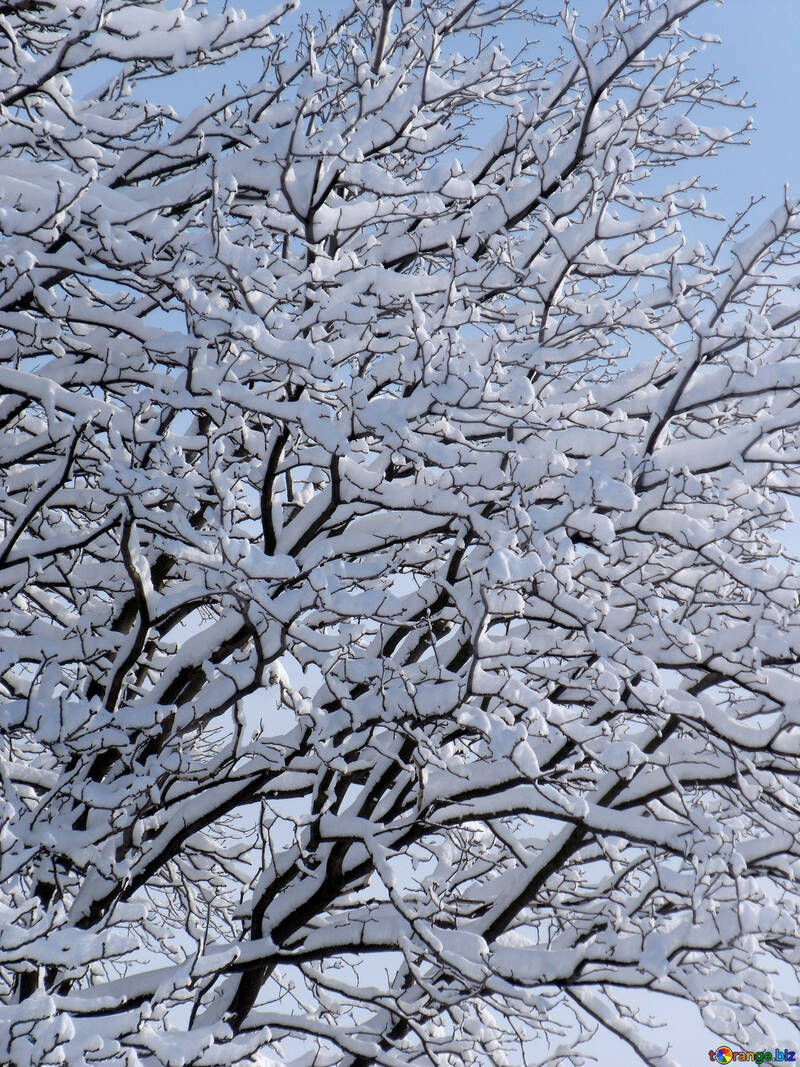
{"x": 398, "y": 661}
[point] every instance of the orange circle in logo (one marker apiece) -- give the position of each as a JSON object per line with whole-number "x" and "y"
{"x": 723, "y": 1054}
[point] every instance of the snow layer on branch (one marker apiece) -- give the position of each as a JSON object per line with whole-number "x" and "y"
{"x": 398, "y": 653}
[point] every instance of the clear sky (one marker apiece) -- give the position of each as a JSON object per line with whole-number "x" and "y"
{"x": 761, "y": 44}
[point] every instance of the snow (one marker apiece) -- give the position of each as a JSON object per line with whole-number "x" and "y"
{"x": 398, "y": 653}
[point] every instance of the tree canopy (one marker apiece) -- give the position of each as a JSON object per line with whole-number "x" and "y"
{"x": 398, "y": 652}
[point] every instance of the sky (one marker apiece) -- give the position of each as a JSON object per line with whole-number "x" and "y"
{"x": 761, "y": 44}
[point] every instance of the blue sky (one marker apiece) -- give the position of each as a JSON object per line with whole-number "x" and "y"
{"x": 761, "y": 44}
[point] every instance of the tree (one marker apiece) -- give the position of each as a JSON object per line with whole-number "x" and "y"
{"x": 399, "y": 660}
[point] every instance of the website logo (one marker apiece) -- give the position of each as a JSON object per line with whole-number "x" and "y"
{"x": 724, "y": 1054}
